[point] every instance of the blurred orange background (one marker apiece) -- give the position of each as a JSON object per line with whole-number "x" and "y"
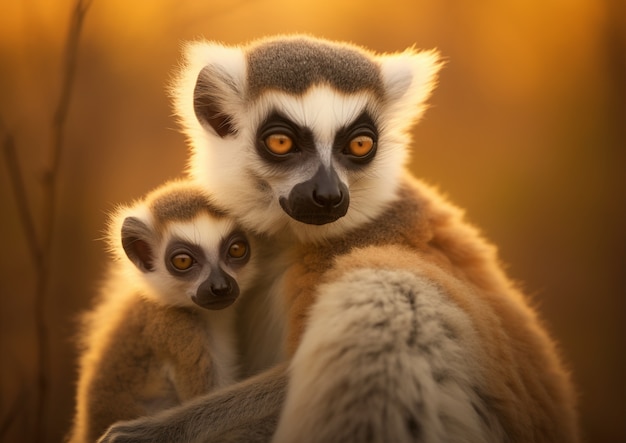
{"x": 526, "y": 132}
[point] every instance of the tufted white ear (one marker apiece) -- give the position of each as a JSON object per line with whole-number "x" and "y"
{"x": 409, "y": 78}
{"x": 210, "y": 87}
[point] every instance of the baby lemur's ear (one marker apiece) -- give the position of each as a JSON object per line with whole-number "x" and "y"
{"x": 215, "y": 76}
{"x": 409, "y": 78}
{"x": 136, "y": 244}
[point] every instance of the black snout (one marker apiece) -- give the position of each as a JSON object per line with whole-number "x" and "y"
{"x": 218, "y": 291}
{"x": 322, "y": 199}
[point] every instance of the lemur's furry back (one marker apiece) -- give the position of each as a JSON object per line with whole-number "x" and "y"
{"x": 400, "y": 324}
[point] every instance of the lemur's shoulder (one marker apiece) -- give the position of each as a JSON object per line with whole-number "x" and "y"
{"x": 418, "y": 231}
{"x": 418, "y": 218}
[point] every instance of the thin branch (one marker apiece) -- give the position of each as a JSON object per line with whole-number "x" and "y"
{"x": 49, "y": 201}
{"x": 18, "y": 405}
{"x": 26, "y": 216}
{"x": 60, "y": 117}
{"x": 41, "y": 249}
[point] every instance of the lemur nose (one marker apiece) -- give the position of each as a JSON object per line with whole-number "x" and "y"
{"x": 218, "y": 291}
{"x": 328, "y": 198}
{"x": 326, "y": 189}
{"x": 221, "y": 290}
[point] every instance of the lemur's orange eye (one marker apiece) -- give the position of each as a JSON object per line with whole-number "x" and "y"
{"x": 279, "y": 144}
{"x": 238, "y": 249}
{"x": 182, "y": 262}
{"x": 361, "y": 145}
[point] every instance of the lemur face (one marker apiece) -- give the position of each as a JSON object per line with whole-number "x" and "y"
{"x": 200, "y": 261}
{"x": 316, "y": 147}
{"x": 186, "y": 252}
{"x": 300, "y": 135}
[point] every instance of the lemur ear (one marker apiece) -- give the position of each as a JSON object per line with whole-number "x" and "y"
{"x": 211, "y": 87}
{"x": 135, "y": 235}
{"x": 409, "y": 78}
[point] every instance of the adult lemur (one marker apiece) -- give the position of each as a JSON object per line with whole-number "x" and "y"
{"x": 400, "y": 324}
{"x": 160, "y": 334}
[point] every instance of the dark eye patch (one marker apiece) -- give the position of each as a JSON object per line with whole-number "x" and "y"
{"x": 363, "y": 125}
{"x": 179, "y": 247}
{"x": 277, "y": 123}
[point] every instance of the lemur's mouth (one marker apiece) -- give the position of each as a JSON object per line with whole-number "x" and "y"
{"x": 214, "y": 304}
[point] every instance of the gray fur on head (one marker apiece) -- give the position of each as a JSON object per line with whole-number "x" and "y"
{"x": 180, "y": 200}
{"x": 294, "y": 64}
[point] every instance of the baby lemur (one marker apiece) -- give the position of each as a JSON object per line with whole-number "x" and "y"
{"x": 163, "y": 330}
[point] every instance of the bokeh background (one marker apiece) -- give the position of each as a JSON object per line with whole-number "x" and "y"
{"x": 526, "y": 132}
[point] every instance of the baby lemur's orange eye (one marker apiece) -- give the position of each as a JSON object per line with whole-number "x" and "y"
{"x": 361, "y": 145}
{"x": 279, "y": 144}
{"x": 238, "y": 249}
{"x": 182, "y": 262}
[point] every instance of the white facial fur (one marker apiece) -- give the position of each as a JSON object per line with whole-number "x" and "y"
{"x": 248, "y": 186}
{"x": 323, "y": 111}
{"x": 203, "y": 231}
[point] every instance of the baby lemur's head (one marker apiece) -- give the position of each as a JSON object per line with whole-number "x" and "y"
{"x": 301, "y": 135}
{"x": 184, "y": 250}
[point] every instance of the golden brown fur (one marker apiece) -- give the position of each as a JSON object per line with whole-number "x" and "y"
{"x": 525, "y": 394}
{"x": 529, "y": 391}
{"x": 147, "y": 345}
{"x": 125, "y": 345}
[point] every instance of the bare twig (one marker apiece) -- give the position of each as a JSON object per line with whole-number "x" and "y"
{"x": 60, "y": 116}
{"x": 49, "y": 201}
{"x": 18, "y": 405}
{"x": 41, "y": 249}
{"x": 19, "y": 190}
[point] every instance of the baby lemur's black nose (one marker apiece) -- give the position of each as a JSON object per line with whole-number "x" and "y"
{"x": 218, "y": 291}
{"x": 221, "y": 288}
